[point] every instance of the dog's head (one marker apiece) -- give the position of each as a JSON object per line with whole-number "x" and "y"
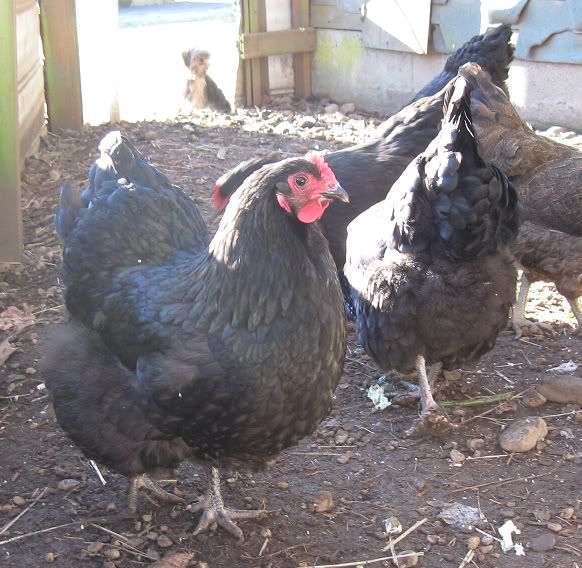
{"x": 196, "y": 60}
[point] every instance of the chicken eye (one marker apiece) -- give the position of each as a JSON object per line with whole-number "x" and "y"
{"x": 301, "y": 181}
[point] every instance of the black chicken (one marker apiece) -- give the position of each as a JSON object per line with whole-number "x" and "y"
{"x": 367, "y": 171}
{"x": 226, "y": 350}
{"x": 430, "y": 270}
{"x": 201, "y": 91}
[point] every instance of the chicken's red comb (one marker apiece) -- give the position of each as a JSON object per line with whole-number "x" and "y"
{"x": 317, "y": 159}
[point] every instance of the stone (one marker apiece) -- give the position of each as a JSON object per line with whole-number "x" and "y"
{"x": 565, "y": 389}
{"x": 165, "y": 541}
{"x": 473, "y": 542}
{"x": 523, "y": 434}
{"x": 68, "y": 484}
{"x": 567, "y": 513}
{"x": 323, "y": 502}
{"x": 534, "y": 399}
{"x": 543, "y": 542}
{"x": 475, "y": 443}
{"x": 95, "y": 547}
{"x": 348, "y": 108}
{"x": 112, "y": 553}
{"x": 305, "y": 121}
{"x": 331, "y": 108}
{"x": 18, "y": 500}
{"x": 554, "y": 527}
{"x": 408, "y": 559}
{"x": 457, "y": 457}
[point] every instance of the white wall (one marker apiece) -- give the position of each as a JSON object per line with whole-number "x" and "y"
{"x": 344, "y": 70}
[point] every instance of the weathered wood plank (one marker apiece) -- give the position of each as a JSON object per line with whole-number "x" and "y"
{"x": 10, "y": 209}
{"x": 282, "y": 42}
{"x": 301, "y": 62}
{"x": 62, "y": 69}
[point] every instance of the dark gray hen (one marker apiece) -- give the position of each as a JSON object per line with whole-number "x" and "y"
{"x": 226, "y": 350}
{"x": 429, "y": 267}
{"x": 367, "y": 171}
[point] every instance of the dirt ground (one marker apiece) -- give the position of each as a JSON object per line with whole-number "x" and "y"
{"x": 358, "y": 455}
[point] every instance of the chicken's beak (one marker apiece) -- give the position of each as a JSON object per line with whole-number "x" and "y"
{"x": 338, "y": 193}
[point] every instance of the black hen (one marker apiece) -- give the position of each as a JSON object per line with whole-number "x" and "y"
{"x": 227, "y": 350}
{"x": 430, "y": 269}
{"x": 367, "y": 171}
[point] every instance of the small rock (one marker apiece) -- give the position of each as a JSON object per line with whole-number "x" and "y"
{"x": 341, "y": 437}
{"x": 306, "y": 122}
{"x": 457, "y": 457}
{"x": 475, "y": 443}
{"x": 432, "y": 538}
{"x": 108, "y": 564}
{"x": 486, "y": 549}
{"x": 408, "y": 558}
{"x": 392, "y": 525}
{"x": 164, "y": 541}
{"x": 567, "y": 513}
{"x": 323, "y": 502}
{"x": 50, "y": 557}
{"x": 459, "y": 515}
{"x": 178, "y": 560}
{"x": 543, "y": 542}
{"x": 345, "y": 458}
{"x": 112, "y": 554}
{"x": 348, "y": 108}
{"x": 562, "y": 388}
{"x": 534, "y": 399}
{"x": 111, "y": 507}
{"x": 152, "y": 536}
{"x": 522, "y": 435}
{"x": 542, "y": 514}
{"x": 486, "y": 540}
{"x": 151, "y": 134}
{"x": 281, "y": 485}
{"x": 331, "y": 108}
{"x": 578, "y": 417}
{"x": 284, "y": 127}
{"x": 18, "y": 500}
{"x": 147, "y": 518}
{"x": 554, "y": 527}
{"x": 68, "y": 484}
{"x": 95, "y": 547}
{"x": 30, "y": 371}
{"x": 473, "y": 542}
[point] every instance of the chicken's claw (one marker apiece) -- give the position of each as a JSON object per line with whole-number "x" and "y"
{"x": 215, "y": 513}
{"x": 144, "y": 483}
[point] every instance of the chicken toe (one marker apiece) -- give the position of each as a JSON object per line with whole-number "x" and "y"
{"x": 432, "y": 418}
{"x": 144, "y": 483}
{"x": 215, "y": 513}
{"x": 577, "y": 314}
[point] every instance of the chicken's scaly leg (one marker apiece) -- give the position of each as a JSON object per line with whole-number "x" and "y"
{"x": 577, "y": 313}
{"x": 214, "y": 511}
{"x": 431, "y": 415}
{"x": 144, "y": 483}
{"x": 518, "y": 321}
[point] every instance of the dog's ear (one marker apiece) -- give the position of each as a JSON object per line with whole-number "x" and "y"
{"x": 187, "y": 57}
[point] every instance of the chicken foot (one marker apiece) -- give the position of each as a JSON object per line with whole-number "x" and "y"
{"x": 144, "y": 483}
{"x": 215, "y": 513}
{"x": 519, "y": 323}
{"x": 432, "y": 417}
{"x": 577, "y": 314}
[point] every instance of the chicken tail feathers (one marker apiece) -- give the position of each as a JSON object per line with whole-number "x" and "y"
{"x": 474, "y": 204}
{"x": 68, "y": 210}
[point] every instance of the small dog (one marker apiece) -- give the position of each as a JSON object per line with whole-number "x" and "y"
{"x": 201, "y": 90}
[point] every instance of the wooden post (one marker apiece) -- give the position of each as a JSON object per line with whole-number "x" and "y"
{"x": 10, "y": 209}
{"x": 256, "y": 70}
{"x": 301, "y": 61}
{"x": 61, "y": 67}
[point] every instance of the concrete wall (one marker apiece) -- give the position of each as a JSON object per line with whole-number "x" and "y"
{"x": 344, "y": 70}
